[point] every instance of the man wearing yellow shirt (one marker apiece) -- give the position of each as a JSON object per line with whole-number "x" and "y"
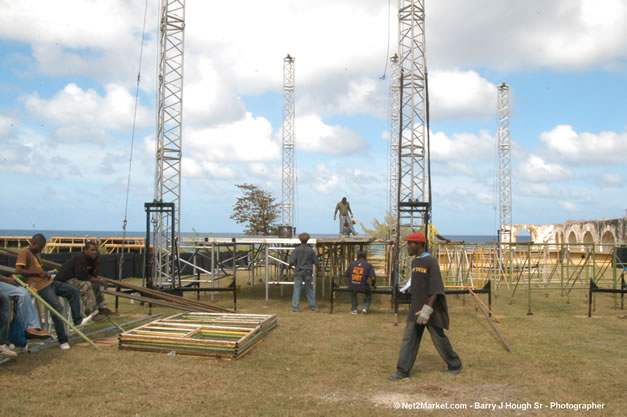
{"x": 433, "y": 233}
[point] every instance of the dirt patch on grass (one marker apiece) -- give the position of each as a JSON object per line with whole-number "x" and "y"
{"x": 387, "y": 399}
{"x": 430, "y": 393}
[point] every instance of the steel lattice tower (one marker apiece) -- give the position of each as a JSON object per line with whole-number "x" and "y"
{"x": 287, "y": 189}
{"x": 169, "y": 135}
{"x": 412, "y": 145}
{"x": 504, "y": 144}
{"x": 394, "y": 129}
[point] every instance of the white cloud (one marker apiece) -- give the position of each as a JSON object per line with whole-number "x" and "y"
{"x": 94, "y": 38}
{"x": 565, "y": 34}
{"x": 246, "y": 140}
{"x": 485, "y": 198}
{"x": 611, "y": 179}
{"x": 326, "y": 182}
{"x": 76, "y": 107}
{"x": 199, "y": 168}
{"x": 313, "y": 135}
{"x": 535, "y": 169}
{"x": 454, "y": 94}
{"x": 461, "y": 168}
{"x": 8, "y": 127}
{"x": 463, "y": 147}
{"x": 261, "y": 170}
{"x": 21, "y": 152}
{"x": 336, "y": 180}
{"x": 604, "y": 147}
{"x": 208, "y": 96}
{"x": 464, "y": 196}
{"x": 568, "y": 205}
{"x": 535, "y": 190}
{"x": 346, "y": 93}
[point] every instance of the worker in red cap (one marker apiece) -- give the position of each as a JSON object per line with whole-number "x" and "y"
{"x": 427, "y": 309}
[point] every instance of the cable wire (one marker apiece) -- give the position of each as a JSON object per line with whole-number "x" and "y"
{"x": 387, "y": 53}
{"x": 130, "y": 159}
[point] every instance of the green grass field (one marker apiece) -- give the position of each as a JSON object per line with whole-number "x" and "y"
{"x": 318, "y": 364}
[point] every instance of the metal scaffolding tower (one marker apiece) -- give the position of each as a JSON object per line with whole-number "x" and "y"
{"x": 413, "y": 196}
{"x": 504, "y": 145}
{"x": 394, "y": 129}
{"x": 168, "y": 142}
{"x": 287, "y": 188}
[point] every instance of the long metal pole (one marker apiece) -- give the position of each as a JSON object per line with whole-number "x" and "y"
{"x": 53, "y": 311}
{"x": 267, "y": 284}
{"x": 234, "y": 275}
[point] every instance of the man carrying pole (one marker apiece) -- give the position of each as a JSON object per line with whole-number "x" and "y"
{"x": 428, "y": 309}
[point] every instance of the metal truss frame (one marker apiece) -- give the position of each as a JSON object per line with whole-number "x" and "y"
{"x": 395, "y": 74}
{"x": 413, "y": 158}
{"x": 169, "y": 135}
{"x": 504, "y": 149}
{"x": 287, "y": 171}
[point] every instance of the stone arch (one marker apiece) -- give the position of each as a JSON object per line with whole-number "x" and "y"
{"x": 607, "y": 241}
{"x": 572, "y": 237}
{"x": 532, "y": 231}
{"x": 590, "y": 232}
{"x": 588, "y": 240}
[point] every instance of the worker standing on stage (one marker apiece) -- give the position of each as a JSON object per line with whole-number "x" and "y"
{"x": 428, "y": 309}
{"x": 346, "y": 220}
{"x": 432, "y": 234}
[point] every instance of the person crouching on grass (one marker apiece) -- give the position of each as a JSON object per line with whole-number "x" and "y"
{"x": 358, "y": 273}
{"x": 428, "y": 309}
{"x": 81, "y": 272}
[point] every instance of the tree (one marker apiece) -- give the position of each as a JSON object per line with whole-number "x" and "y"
{"x": 257, "y": 209}
{"x": 383, "y": 230}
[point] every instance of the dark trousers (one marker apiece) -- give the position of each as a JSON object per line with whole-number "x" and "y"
{"x": 367, "y": 300}
{"x": 51, "y": 295}
{"x": 4, "y": 319}
{"x": 411, "y": 343}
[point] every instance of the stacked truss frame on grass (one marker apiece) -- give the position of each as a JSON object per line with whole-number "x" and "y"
{"x": 220, "y": 335}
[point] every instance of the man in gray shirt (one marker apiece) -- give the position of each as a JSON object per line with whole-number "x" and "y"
{"x": 303, "y": 258}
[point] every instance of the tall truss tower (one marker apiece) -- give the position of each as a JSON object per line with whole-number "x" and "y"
{"x": 169, "y": 137}
{"x": 504, "y": 145}
{"x": 287, "y": 188}
{"x": 394, "y": 129}
{"x": 413, "y": 196}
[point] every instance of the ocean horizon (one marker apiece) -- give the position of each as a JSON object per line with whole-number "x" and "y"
{"x": 118, "y": 233}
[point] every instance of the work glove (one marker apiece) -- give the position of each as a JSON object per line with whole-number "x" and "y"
{"x": 424, "y": 314}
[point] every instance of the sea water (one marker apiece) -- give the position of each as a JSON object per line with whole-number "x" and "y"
{"x": 119, "y": 233}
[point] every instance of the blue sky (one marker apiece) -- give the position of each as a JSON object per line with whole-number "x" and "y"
{"x": 67, "y": 83}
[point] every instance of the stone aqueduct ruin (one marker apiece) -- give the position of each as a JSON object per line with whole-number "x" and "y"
{"x": 604, "y": 234}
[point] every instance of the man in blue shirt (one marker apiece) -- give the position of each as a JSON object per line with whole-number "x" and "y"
{"x": 303, "y": 258}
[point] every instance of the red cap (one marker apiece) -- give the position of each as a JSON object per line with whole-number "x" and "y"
{"x": 416, "y": 237}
